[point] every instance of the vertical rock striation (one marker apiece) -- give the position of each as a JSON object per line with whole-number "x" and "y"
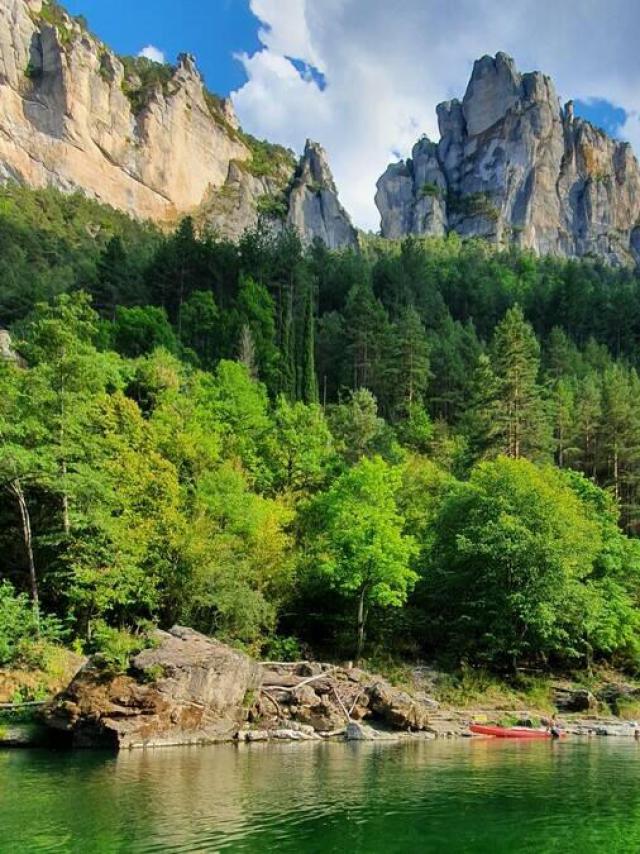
{"x": 515, "y": 167}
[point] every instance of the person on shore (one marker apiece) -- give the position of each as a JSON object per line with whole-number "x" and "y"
{"x": 553, "y": 727}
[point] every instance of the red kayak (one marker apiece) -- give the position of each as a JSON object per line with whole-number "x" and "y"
{"x": 510, "y": 731}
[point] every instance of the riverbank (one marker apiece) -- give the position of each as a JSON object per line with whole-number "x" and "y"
{"x": 185, "y": 688}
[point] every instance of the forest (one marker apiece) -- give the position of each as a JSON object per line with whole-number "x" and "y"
{"x": 428, "y": 447}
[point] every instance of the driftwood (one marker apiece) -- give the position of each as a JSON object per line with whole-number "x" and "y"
{"x": 294, "y": 687}
{"x": 342, "y": 705}
{"x": 355, "y": 702}
{"x": 273, "y": 700}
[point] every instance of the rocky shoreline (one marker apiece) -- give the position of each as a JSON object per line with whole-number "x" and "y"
{"x": 188, "y": 689}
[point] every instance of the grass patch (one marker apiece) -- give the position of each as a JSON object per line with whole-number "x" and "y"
{"x": 478, "y": 687}
{"x": 628, "y": 708}
{"x": 398, "y": 673}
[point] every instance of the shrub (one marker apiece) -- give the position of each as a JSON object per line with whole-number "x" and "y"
{"x": 472, "y": 204}
{"x": 272, "y": 206}
{"x": 266, "y": 157}
{"x": 23, "y": 637}
{"x": 430, "y": 189}
{"x": 283, "y": 649}
{"x": 141, "y": 77}
{"x": 114, "y": 648}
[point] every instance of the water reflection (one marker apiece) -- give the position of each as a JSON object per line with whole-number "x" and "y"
{"x": 471, "y": 796}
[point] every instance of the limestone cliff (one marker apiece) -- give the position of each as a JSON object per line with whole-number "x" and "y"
{"x": 145, "y": 138}
{"x": 301, "y": 195}
{"x": 314, "y": 208}
{"x": 515, "y": 167}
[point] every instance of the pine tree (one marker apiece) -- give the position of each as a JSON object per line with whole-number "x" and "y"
{"x": 588, "y": 416}
{"x": 113, "y": 278}
{"x": 521, "y": 419}
{"x": 366, "y": 328}
{"x": 407, "y": 369}
{"x": 308, "y": 378}
{"x": 479, "y": 422}
{"x": 564, "y": 420}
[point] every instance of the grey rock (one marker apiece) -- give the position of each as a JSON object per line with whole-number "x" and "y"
{"x": 398, "y": 708}
{"x": 7, "y": 351}
{"x": 358, "y": 732}
{"x": 189, "y": 689}
{"x": 256, "y": 735}
{"x": 314, "y": 209}
{"x": 568, "y": 699}
{"x": 288, "y": 735}
{"x": 514, "y": 167}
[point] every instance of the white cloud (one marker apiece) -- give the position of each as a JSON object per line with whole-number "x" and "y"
{"x": 152, "y": 52}
{"x": 387, "y": 64}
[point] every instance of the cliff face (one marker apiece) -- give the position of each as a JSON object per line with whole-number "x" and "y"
{"x": 314, "y": 209}
{"x": 514, "y": 167}
{"x": 66, "y": 122}
{"x": 73, "y": 115}
{"x": 298, "y": 195}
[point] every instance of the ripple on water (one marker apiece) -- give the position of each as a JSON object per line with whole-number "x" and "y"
{"x": 471, "y": 796}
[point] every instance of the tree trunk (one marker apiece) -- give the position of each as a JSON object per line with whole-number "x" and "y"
{"x": 16, "y": 486}
{"x": 66, "y": 524}
{"x": 362, "y": 616}
{"x": 63, "y": 466}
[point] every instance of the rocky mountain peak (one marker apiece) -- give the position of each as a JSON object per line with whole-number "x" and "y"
{"x": 513, "y": 167}
{"x": 314, "y": 167}
{"x": 495, "y": 86}
{"x": 314, "y": 208}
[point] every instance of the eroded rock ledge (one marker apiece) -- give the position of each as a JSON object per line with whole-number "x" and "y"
{"x": 190, "y": 689}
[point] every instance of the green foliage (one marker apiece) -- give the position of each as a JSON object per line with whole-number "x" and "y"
{"x": 164, "y": 457}
{"x": 472, "y": 204}
{"x": 114, "y": 648}
{"x": 362, "y": 549}
{"x": 283, "y": 649}
{"x": 513, "y": 572}
{"x": 54, "y": 15}
{"x": 140, "y": 330}
{"x": 32, "y": 72}
{"x": 274, "y": 207}
{"x": 142, "y": 76}
{"x": 430, "y": 189}
{"x": 23, "y": 633}
{"x": 267, "y": 159}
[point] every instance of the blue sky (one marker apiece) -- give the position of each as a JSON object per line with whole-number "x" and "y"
{"x": 214, "y": 31}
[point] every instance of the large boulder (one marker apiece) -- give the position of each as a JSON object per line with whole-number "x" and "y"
{"x": 187, "y": 689}
{"x": 568, "y": 699}
{"x": 398, "y": 708}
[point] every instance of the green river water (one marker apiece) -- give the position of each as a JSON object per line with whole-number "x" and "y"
{"x": 457, "y": 796}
